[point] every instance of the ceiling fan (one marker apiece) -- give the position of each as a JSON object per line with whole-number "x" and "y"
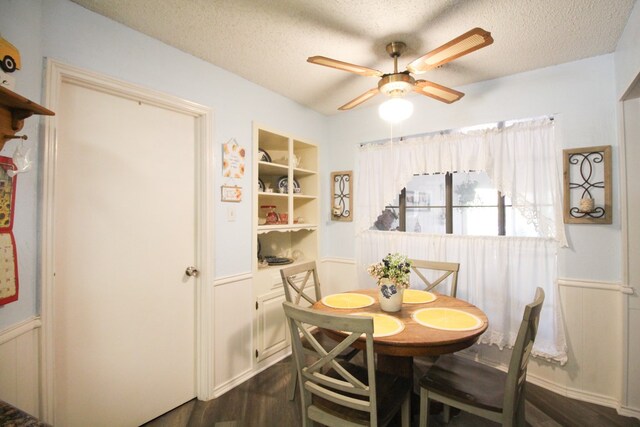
{"x": 398, "y": 84}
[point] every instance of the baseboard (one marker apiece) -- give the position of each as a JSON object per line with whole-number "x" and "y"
{"x": 573, "y": 393}
{"x": 629, "y": 412}
{"x": 562, "y": 390}
{"x": 234, "y": 382}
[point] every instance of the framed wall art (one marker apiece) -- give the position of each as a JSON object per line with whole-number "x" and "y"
{"x": 231, "y": 193}
{"x": 342, "y": 196}
{"x": 587, "y": 185}
{"x": 232, "y": 160}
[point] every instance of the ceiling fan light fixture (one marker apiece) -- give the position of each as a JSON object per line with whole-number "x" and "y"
{"x": 396, "y": 85}
{"x": 395, "y": 110}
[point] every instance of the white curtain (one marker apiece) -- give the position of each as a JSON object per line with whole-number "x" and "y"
{"x": 521, "y": 160}
{"x": 499, "y": 274}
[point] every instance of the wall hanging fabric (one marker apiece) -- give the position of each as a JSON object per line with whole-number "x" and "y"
{"x": 8, "y": 254}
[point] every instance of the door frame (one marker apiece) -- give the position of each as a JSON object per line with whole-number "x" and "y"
{"x": 58, "y": 73}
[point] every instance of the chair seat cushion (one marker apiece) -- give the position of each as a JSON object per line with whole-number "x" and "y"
{"x": 466, "y": 381}
{"x": 391, "y": 391}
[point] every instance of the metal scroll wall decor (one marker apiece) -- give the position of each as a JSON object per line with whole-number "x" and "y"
{"x": 342, "y": 196}
{"x": 587, "y": 185}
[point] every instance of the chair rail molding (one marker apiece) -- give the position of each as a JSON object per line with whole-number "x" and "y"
{"x": 338, "y": 260}
{"x": 20, "y": 328}
{"x": 219, "y": 281}
{"x": 588, "y": 284}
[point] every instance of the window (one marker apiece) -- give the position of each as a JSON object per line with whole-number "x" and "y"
{"x": 464, "y": 203}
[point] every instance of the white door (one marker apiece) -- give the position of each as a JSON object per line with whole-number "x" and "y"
{"x": 124, "y": 233}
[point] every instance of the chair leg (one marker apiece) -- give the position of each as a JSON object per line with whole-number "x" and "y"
{"x": 446, "y": 413}
{"x": 293, "y": 383}
{"x": 424, "y": 407}
{"x": 520, "y": 415}
{"x": 406, "y": 411}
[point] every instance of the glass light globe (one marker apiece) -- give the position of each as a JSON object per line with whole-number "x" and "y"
{"x": 395, "y": 110}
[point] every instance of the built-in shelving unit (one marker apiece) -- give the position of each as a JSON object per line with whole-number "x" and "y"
{"x": 281, "y": 159}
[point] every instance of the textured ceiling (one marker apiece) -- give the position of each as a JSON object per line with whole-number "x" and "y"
{"x": 268, "y": 41}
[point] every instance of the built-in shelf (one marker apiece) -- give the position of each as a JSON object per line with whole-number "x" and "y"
{"x": 295, "y": 236}
{"x": 285, "y": 227}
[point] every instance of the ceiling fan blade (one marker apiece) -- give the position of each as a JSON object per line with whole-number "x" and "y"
{"x": 344, "y": 66}
{"x": 436, "y": 91}
{"x": 360, "y": 99}
{"x": 468, "y": 42}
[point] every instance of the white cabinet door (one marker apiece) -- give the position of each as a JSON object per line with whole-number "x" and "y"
{"x": 272, "y": 334}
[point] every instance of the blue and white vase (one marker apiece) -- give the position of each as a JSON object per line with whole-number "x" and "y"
{"x": 389, "y": 296}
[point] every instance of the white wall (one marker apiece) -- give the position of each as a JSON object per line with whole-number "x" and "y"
{"x": 582, "y": 96}
{"x": 67, "y": 32}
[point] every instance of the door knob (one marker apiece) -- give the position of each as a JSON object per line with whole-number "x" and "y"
{"x": 191, "y": 272}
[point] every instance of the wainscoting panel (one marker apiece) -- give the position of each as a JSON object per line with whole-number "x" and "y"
{"x": 233, "y": 314}
{"x": 593, "y": 326}
{"x": 337, "y": 275}
{"x": 19, "y": 365}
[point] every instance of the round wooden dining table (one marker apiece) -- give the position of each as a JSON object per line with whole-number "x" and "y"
{"x": 395, "y": 352}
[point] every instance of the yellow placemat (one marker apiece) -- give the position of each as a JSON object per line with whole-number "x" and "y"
{"x": 447, "y": 319}
{"x": 414, "y": 296}
{"x": 347, "y": 300}
{"x": 383, "y": 324}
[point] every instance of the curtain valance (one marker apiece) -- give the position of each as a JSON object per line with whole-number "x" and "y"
{"x": 521, "y": 160}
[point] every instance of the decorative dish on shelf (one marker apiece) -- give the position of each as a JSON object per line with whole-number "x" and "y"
{"x": 283, "y": 185}
{"x": 263, "y": 156}
{"x": 274, "y": 260}
{"x": 260, "y": 185}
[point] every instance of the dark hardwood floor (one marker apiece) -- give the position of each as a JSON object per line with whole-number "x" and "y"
{"x": 262, "y": 402}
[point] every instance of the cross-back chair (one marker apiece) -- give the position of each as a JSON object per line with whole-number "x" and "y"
{"x": 301, "y": 283}
{"x": 335, "y": 393}
{"x": 446, "y": 272}
{"x": 445, "y": 269}
{"x": 480, "y": 389}
{"x": 302, "y": 288}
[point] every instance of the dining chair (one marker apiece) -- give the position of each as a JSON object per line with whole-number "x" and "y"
{"x": 444, "y": 270}
{"x": 338, "y": 393}
{"x": 302, "y": 288}
{"x": 480, "y": 389}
